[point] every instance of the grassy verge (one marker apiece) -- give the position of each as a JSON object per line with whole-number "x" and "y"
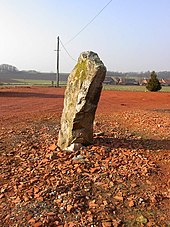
{"x": 131, "y": 88}
{"x": 23, "y": 82}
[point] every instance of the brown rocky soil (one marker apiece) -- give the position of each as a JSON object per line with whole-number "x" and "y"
{"x": 120, "y": 180}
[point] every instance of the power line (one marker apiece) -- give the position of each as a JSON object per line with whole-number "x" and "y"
{"x": 89, "y": 22}
{"x": 67, "y": 51}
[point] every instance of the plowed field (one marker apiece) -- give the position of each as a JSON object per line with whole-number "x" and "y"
{"x": 121, "y": 180}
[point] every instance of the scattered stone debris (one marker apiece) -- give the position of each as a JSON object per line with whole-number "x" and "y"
{"x": 109, "y": 183}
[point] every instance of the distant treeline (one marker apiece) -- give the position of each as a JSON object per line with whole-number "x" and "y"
{"x": 10, "y": 74}
{"x": 12, "y": 77}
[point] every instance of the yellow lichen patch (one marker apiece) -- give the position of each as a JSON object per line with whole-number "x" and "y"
{"x": 80, "y": 68}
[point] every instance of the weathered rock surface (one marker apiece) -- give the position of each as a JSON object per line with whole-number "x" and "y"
{"x": 81, "y": 98}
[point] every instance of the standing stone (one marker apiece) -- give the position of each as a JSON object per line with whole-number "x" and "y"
{"x": 82, "y": 94}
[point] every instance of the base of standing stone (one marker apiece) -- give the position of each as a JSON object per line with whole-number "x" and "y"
{"x": 73, "y": 147}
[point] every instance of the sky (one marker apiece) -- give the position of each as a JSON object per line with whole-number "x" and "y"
{"x": 128, "y": 35}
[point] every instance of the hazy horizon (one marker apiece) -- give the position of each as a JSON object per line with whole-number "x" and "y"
{"x": 131, "y": 36}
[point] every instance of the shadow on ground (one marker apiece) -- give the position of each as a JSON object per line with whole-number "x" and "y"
{"x": 149, "y": 144}
{"x": 29, "y": 94}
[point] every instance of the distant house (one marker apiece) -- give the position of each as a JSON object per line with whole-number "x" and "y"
{"x": 111, "y": 80}
{"x": 165, "y": 82}
{"x": 128, "y": 81}
{"x": 144, "y": 82}
{"x": 108, "y": 80}
{"x": 116, "y": 80}
{"x": 120, "y": 81}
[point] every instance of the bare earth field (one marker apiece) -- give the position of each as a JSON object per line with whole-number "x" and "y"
{"x": 122, "y": 179}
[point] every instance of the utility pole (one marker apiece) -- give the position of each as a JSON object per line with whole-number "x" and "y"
{"x": 57, "y": 61}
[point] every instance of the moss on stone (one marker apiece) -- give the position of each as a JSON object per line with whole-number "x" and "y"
{"x": 81, "y": 68}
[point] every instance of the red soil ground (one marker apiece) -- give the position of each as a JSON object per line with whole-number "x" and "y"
{"x": 136, "y": 109}
{"x": 143, "y": 117}
{"x": 33, "y": 99}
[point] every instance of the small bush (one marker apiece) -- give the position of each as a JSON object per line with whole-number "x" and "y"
{"x": 153, "y": 83}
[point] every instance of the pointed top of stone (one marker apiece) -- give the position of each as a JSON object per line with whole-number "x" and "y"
{"x": 92, "y": 56}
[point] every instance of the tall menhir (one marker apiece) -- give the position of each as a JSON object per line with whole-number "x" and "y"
{"x": 81, "y": 98}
